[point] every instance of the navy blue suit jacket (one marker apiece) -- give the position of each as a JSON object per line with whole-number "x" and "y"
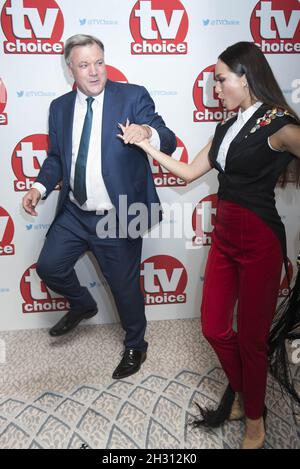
{"x": 125, "y": 168}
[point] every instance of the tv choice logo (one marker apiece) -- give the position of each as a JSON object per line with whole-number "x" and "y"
{"x": 114, "y": 74}
{"x": 208, "y": 106}
{"x": 163, "y": 280}
{"x": 37, "y": 297}
{"x": 159, "y": 27}
{"x": 3, "y": 101}
{"x": 275, "y": 26}
{"x": 27, "y": 159}
{"x": 32, "y": 27}
{"x": 161, "y": 176}
{"x": 7, "y": 230}
{"x": 203, "y": 220}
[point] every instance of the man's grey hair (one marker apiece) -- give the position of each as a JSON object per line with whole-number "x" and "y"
{"x": 80, "y": 40}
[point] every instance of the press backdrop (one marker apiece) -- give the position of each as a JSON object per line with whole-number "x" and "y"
{"x": 170, "y": 47}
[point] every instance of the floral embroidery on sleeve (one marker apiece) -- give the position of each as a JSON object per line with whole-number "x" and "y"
{"x": 268, "y": 117}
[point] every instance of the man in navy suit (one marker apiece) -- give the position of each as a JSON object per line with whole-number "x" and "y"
{"x": 98, "y": 174}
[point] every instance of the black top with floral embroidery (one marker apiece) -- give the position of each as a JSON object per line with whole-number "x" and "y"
{"x": 252, "y": 168}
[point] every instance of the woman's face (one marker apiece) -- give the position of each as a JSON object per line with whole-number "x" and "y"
{"x": 231, "y": 89}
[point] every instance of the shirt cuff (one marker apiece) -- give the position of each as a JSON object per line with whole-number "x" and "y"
{"x": 154, "y": 139}
{"x": 42, "y": 189}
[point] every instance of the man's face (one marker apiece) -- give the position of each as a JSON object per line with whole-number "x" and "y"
{"x": 88, "y": 69}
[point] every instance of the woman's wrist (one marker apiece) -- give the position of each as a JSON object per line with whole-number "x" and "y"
{"x": 147, "y": 145}
{"x": 148, "y": 131}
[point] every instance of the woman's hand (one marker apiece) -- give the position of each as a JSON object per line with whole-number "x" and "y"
{"x": 135, "y": 134}
{"x": 131, "y": 133}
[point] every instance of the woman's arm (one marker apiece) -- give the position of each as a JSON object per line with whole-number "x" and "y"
{"x": 287, "y": 139}
{"x": 188, "y": 172}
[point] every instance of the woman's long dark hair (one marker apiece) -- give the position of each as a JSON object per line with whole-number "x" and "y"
{"x": 285, "y": 327}
{"x": 245, "y": 58}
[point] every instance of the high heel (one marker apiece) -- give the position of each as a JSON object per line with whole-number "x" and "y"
{"x": 256, "y": 443}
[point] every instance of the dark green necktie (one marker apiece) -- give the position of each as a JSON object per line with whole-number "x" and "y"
{"x": 80, "y": 167}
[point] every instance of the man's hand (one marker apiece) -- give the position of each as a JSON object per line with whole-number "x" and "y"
{"x": 30, "y": 201}
{"x": 134, "y": 133}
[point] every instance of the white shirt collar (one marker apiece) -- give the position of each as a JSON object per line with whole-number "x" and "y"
{"x": 82, "y": 97}
{"x": 244, "y": 116}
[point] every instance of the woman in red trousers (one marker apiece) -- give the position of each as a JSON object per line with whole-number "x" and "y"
{"x": 250, "y": 151}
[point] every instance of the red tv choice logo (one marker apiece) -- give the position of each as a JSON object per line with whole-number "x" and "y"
{"x": 27, "y": 159}
{"x": 32, "y": 27}
{"x": 7, "y": 230}
{"x": 3, "y": 101}
{"x": 284, "y": 285}
{"x": 208, "y": 106}
{"x": 275, "y": 26}
{"x": 158, "y": 27}
{"x": 163, "y": 280}
{"x": 37, "y": 298}
{"x": 203, "y": 220}
{"x": 161, "y": 176}
{"x": 114, "y": 74}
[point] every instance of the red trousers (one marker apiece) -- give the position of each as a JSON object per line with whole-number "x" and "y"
{"x": 244, "y": 266}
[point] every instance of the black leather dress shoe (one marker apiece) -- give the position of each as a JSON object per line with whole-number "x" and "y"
{"x": 70, "y": 320}
{"x": 130, "y": 363}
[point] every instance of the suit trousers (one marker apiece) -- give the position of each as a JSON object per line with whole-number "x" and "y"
{"x": 244, "y": 266}
{"x": 72, "y": 234}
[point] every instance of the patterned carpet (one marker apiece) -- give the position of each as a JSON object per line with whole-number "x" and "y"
{"x": 148, "y": 410}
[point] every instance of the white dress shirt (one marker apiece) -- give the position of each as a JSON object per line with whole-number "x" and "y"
{"x": 97, "y": 195}
{"x": 233, "y": 130}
